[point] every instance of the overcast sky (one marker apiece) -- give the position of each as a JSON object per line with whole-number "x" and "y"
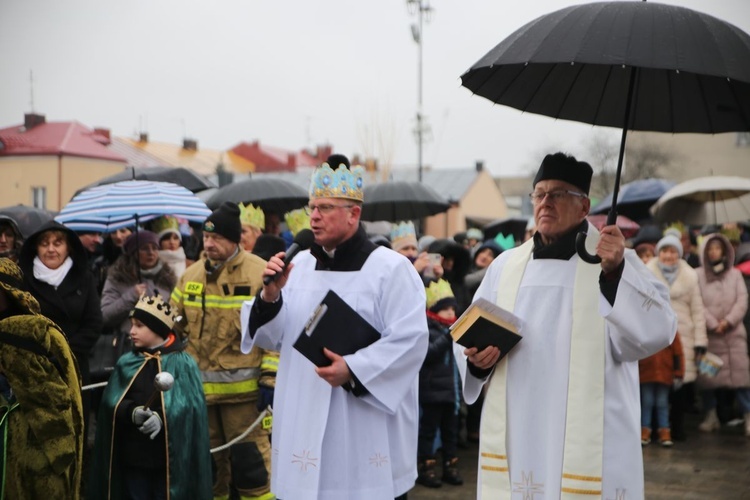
{"x": 291, "y": 74}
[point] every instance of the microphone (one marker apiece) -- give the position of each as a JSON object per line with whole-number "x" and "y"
{"x": 302, "y": 241}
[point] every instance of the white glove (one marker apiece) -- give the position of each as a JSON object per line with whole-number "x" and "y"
{"x": 152, "y": 425}
{"x": 140, "y": 415}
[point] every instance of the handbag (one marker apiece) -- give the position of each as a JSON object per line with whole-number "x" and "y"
{"x": 108, "y": 348}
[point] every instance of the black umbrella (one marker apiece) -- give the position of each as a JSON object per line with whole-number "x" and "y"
{"x": 631, "y": 65}
{"x": 182, "y": 176}
{"x": 272, "y": 195}
{"x": 28, "y": 219}
{"x": 401, "y": 200}
{"x": 635, "y": 198}
{"x": 512, "y": 225}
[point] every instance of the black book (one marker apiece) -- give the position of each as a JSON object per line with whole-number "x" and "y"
{"x": 337, "y": 327}
{"x": 484, "y": 324}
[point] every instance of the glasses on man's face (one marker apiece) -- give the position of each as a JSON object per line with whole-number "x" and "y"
{"x": 554, "y": 196}
{"x": 324, "y": 208}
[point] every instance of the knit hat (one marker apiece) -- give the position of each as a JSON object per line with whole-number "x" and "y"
{"x": 140, "y": 238}
{"x": 440, "y": 296}
{"x": 155, "y": 314}
{"x": 474, "y": 234}
{"x": 670, "y": 240}
{"x": 11, "y": 280}
{"x": 225, "y": 221}
{"x": 166, "y": 225}
{"x": 403, "y": 235}
{"x": 562, "y": 167}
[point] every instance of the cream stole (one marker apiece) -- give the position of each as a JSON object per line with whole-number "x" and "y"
{"x": 584, "y": 426}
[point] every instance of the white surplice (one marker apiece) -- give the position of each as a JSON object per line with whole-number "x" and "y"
{"x": 328, "y": 443}
{"x": 639, "y": 324}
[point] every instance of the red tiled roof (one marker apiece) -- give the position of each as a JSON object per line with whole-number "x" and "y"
{"x": 54, "y": 138}
{"x": 273, "y": 159}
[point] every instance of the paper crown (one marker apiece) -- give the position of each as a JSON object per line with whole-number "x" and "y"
{"x": 251, "y": 216}
{"x": 505, "y": 242}
{"x": 165, "y": 224}
{"x": 297, "y": 220}
{"x": 437, "y": 291}
{"x": 340, "y": 183}
{"x": 156, "y": 314}
{"x": 402, "y": 234}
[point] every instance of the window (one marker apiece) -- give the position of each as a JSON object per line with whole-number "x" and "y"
{"x": 39, "y": 197}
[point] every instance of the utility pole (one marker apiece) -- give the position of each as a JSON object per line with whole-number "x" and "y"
{"x": 423, "y": 10}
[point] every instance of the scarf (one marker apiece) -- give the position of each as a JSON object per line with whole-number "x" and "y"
{"x": 439, "y": 319}
{"x": 584, "y": 425}
{"x": 718, "y": 267}
{"x": 52, "y": 277}
{"x": 150, "y": 273}
{"x": 174, "y": 259}
{"x": 669, "y": 272}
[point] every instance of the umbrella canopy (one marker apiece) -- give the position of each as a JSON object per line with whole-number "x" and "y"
{"x": 122, "y": 204}
{"x": 181, "y": 176}
{"x": 634, "y": 65}
{"x": 28, "y": 219}
{"x": 272, "y": 195}
{"x": 628, "y": 227}
{"x": 401, "y": 200}
{"x": 635, "y": 198}
{"x": 705, "y": 200}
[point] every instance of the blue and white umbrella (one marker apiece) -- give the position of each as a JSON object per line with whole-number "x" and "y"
{"x": 123, "y": 204}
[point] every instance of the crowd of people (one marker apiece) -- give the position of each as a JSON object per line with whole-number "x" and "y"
{"x": 208, "y": 320}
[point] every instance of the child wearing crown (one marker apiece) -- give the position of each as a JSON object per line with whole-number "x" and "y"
{"x": 439, "y": 398}
{"x": 152, "y": 444}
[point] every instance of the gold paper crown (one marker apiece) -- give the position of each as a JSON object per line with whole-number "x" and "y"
{"x": 438, "y": 290}
{"x": 155, "y": 313}
{"x": 679, "y": 226}
{"x": 340, "y": 183}
{"x": 297, "y": 220}
{"x": 164, "y": 224}
{"x": 251, "y": 216}
{"x": 732, "y": 233}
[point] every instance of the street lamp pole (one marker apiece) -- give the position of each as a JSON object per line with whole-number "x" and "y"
{"x": 423, "y": 9}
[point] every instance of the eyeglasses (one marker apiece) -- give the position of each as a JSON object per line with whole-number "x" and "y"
{"x": 324, "y": 208}
{"x": 554, "y": 196}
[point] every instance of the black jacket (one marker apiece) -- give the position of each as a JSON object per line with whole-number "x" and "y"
{"x": 74, "y": 306}
{"x": 438, "y": 378}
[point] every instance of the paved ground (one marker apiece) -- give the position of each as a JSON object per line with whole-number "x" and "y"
{"x": 705, "y": 467}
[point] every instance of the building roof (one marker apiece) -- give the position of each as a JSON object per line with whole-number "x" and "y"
{"x": 57, "y": 138}
{"x": 274, "y": 159}
{"x": 201, "y": 160}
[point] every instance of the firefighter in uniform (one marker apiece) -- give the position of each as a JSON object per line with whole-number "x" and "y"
{"x": 209, "y": 297}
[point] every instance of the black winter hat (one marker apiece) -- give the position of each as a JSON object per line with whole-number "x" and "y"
{"x": 225, "y": 221}
{"x": 560, "y": 166}
{"x": 268, "y": 245}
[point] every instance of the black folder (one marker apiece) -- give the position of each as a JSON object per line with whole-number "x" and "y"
{"x": 337, "y": 327}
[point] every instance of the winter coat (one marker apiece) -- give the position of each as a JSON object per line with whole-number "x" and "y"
{"x": 664, "y": 366}
{"x": 685, "y": 297}
{"x": 438, "y": 377}
{"x": 44, "y": 440}
{"x": 74, "y": 305}
{"x": 725, "y": 297}
{"x": 119, "y": 296}
{"x": 743, "y": 264}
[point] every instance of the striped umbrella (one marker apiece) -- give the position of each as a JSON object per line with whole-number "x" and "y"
{"x": 123, "y": 204}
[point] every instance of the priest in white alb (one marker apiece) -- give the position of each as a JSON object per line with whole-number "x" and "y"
{"x": 561, "y": 418}
{"x": 347, "y": 431}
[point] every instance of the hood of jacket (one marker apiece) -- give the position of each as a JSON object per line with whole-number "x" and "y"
{"x": 75, "y": 248}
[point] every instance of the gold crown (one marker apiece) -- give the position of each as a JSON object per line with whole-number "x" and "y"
{"x": 164, "y": 224}
{"x": 297, "y": 220}
{"x": 438, "y": 290}
{"x": 343, "y": 182}
{"x": 155, "y": 313}
{"x": 251, "y": 216}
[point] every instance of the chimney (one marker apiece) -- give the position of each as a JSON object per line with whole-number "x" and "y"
{"x": 323, "y": 152}
{"x": 190, "y": 144}
{"x": 143, "y": 137}
{"x": 104, "y": 132}
{"x": 479, "y": 165}
{"x": 31, "y": 120}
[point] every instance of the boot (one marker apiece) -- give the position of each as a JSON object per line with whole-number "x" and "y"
{"x": 426, "y": 474}
{"x": 665, "y": 439}
{"x": 450, "y": 472}
{"x": 645, "y": 436}
{"x": 747, "y": 424}
{"x": 711, "y": 422}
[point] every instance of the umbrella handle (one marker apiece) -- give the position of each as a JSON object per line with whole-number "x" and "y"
{"x": 581, "y": 239}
